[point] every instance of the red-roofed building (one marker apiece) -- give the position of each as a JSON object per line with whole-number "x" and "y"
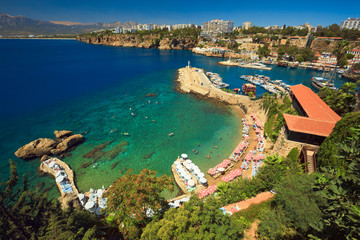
{"x": 317, "y": 119}
{"x": 329, "y": 38}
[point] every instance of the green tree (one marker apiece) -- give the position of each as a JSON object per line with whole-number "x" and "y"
{"x": 136, "y": 199}
{"x": 264, "y": 51}
{"x": 342, "y": 101}
{"x": 296, "y": 209}
{"x": 195, "y": 220}
{"x": 341, "y": 218}
{"x": 26, "y": 214}
{"x": 328, "y": 150}
{"x": 340, "y": 52}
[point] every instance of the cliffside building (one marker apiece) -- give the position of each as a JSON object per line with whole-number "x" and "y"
{"x": 351, "y": 23}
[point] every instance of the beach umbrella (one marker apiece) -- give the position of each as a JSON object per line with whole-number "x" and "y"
{"x": 188, "y": 161}
{"x": 60, "y": 179}
{"x": 197, "y": 171}
{"x": 212, "y": 171}
{"x": 184, "y": 156}
{"x": 203, "y": 180}
{"x": 99, "y": 193}
{"x": 191, "y": 183}
{"x": 89, "y": 205}
{"x": 81, "y": 196}
{"x": 201, "y": 175}
{"x": 187, "y": 177}
{"x": 221, "y": 169}
{"x": 57, "y": 174}
{"x": 52, "y": 164}
{"x": 189, "y": 167}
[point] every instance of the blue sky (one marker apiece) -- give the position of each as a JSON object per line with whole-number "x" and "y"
{"x": 261, "y": 13}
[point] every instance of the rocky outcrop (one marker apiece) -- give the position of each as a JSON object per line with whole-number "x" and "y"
{"x": 68, "y": 143}
{"x": 147, "y": 41}
{"x": 36, "y": 148}
{"x": 63, "y": 133}
{"x": 44, "y": 147}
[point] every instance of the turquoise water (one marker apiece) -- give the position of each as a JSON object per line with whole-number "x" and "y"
{"x": 52, "y": 85}
{"x": 90, "y": 89}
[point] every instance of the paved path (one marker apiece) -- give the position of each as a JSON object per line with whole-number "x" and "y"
{"x": 246, "y": 203}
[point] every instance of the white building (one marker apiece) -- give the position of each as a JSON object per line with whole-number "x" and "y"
{"x": 215, "y": 27}
{"x": 351, "y": 23}
{"x": 247, "y": 25}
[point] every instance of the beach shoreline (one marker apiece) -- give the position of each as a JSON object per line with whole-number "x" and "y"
{"x": 194, "y": 81}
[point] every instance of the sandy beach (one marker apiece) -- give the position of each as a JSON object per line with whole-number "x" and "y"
{"x": 194, "y": 80}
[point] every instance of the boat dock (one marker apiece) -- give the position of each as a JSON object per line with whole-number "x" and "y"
{"x": 194, "y": 80}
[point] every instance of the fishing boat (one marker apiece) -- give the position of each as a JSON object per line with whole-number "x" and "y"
{"x": 320, "y": 82}
{"x": 248, "y": 87}
{"x": 282, "y": 64}
{"x": 216, "y": 80}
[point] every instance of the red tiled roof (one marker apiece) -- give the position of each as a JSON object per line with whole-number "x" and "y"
{"x": 321, "y": 118}
{"x": 335, "y": 38}
{"x": 313, "y": 105}
{"x": 308, "y": 125}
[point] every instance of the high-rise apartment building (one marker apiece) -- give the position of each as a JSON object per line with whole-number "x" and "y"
{"x": 351, "y": 23}
{"x": 247, "y": 25}
{"x": 218, "y": 26}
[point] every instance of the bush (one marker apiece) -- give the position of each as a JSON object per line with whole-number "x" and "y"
{"x": 293, "y": 155}
{"x": 328, "y": 149}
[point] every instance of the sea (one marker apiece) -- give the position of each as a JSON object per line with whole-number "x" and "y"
{"x": 125, "y": 103}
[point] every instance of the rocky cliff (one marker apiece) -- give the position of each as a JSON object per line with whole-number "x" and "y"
{"x": 147, "y": 41}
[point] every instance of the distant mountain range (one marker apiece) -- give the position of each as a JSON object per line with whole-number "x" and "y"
{"x": 20, "y": 25}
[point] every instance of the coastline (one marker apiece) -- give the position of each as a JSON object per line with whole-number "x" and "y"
{"x": 194, "y": 81}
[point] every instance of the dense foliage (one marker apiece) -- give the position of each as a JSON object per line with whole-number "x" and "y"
{"x": 335, "y": 31}
{"x": 26, "y": 214}
{"x": 264, "y": 51}
{"x": 195, "y": 220}
{"x": 325, "y": 205}
{"x": 294, "y": 53}
{"x": 296, "y": 209}
{"x": 135, "y": 199}
{"x": 342, "y": 101}
{"x": 275, "y": 107}
{"x": 327, "y": 155}
{"x": 268, "y": 177}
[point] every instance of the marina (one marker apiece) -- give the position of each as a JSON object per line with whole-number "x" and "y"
{"x": 216, "y": 80}
{"x": 272, "y": 86}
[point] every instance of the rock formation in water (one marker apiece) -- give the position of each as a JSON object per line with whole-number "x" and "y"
{"x": 63, "y": 133}
{"x": 36, "y": 148}
{"x": 46, "y": 146}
